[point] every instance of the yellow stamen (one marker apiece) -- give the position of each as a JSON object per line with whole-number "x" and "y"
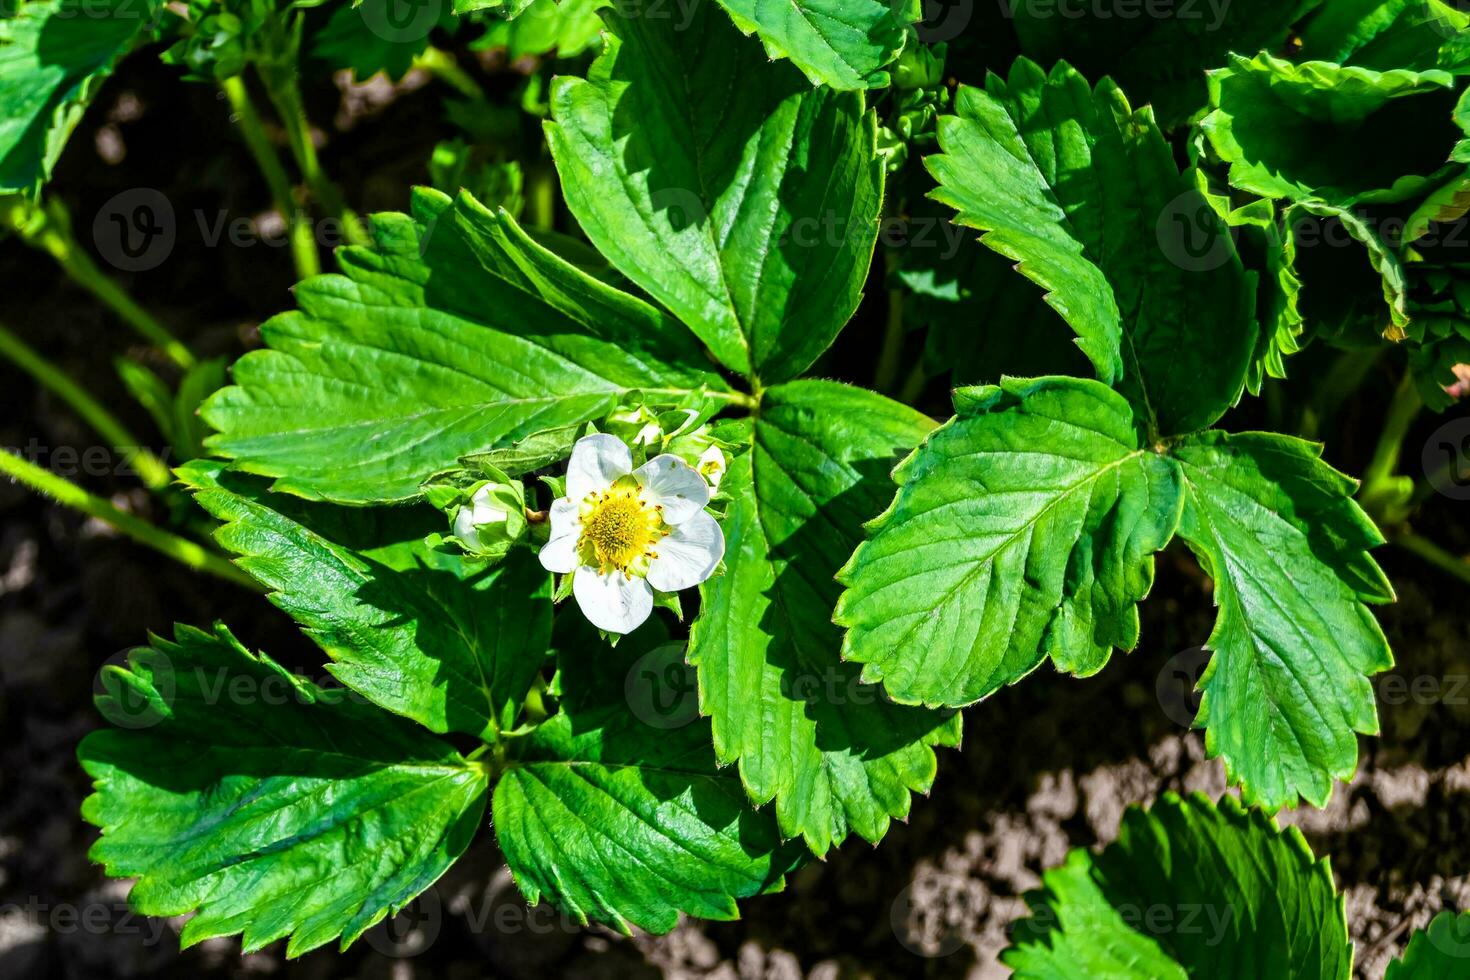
{"x": 620, "y": 529}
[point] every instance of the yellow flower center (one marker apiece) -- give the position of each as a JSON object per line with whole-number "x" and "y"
{"x": 620, "y": 529}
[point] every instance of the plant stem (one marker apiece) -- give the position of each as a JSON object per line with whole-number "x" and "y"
{"x": 1346, "y": 376}
{"x": 442, "y": 65}
{"x": 151, "y": 470}
{"x": 542, "y": 197}
{"x": 1434, "y": 555}
{"x": 1379, "y": 481}
{"x": 303, "y": 244}
{"x": 893, "y": 336}
{"x": 285, "y": 94}
{"x": 49, "y": 230}
{"x": 65, "y": 492}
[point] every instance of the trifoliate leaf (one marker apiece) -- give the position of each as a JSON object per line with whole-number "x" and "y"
{"x": 1189, "y": 890}
{"x": 1023, "y": 528}
{"x": 430, "y": 635}
{"x": 1096, "y": 213}
{"x": 1288, "y": 688}
{"x": 844, "y": 44}
{"x": 1384, "y": 34}
{"x": 1158, "y": 58}
{"x": 54, "y": 56}
{"x": 266, "y": 804}
{"x": 454, "y": 334}
{"x": 1298, "y": 130}
{"x": 621, "y": 821}
{"x": 753, "y": 219}
{"x": 1439, "y": 952}
{"x": 835, "y": 754}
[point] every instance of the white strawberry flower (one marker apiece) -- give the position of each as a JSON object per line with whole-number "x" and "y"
{"x": 622, "y": 533}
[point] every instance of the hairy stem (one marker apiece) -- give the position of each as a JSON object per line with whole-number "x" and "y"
{"x": 303, "y": 243}
{"x": 63, "y": 491}
{"x": 151, "y": 470}
{"x": 49, "y": 230}
{"x": 285, "y": 94}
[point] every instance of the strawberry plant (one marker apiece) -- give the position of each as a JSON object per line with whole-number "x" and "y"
{"x": 501, "y": 453}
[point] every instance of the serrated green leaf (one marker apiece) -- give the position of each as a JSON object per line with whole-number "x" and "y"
{"x": 1189, "y": 890}
{"x": 1439, "y": 952}
{"x": 1288, "y": 688}
{"x": 454, "y": 334}
{"x": 1083, "y": 193}
{"x": 619, "y": 821}
{"x": 1298, "y": 130}
{"x": 433, "y": 636}
{"x": 267, "y": 804}
{"x": 753, "y": 219}
{"x": 54, "y": 56}
{"x": 1383, "y": 34}
{"x": 566, "y": 27}
{"x": 834, "y": 753}
{"x": 1158, "y": 58}
{"x": 1023, "y": 528}
{"x": 844, "y": 44}
{"x": 355, "y": 38}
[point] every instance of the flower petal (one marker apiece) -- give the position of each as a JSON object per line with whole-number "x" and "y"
{"x": 688, "y": 555}
{"x": 597, "y": 462}
{"x": 674, "y": 485}
{"x": 613, "y": 602}
{"x": 560, "y": 553}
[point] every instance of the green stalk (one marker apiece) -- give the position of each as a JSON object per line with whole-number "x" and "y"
{"x": 65, "y": 492}
{"x": 303, "y": 245}
{"x": 542, "y": 197}
{"x": 285, "y": 94}
{"x": 49, "y": 230}
{"x": 1435, "y": 555}
{"x": 151, "y": 470}
{"x": 886, "y": 375}
{"x": 442, "y": 65}
{"x": 1384, "y": 493}
{"x": 1345, "y": 377}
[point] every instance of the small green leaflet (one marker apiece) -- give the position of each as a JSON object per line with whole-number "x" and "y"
{"x": 1023, "y": 528}
{"x": 267, "y": 804}
{"x": 454, "y": 334}
{"x": 1298, "y": 130}
{"x": 624, "y": 822}
{"x": 1126, "y": 247}
{"x": 435, "y": 637}
{"x": 54, "y": 56}
{"x": 567, "y": 27}
{"x": 367, "y": 37}
{"x": 833, "y": 752}
{"x": 753, "y": 220}
{"x": 1439, "y": 952}
{"x": 843, "y": 44}
{"x": 1287, "y": 690}
{"x": 1189, "y": 891}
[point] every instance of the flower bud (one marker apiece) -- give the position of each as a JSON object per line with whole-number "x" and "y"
{"x": 492, "y": 519}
